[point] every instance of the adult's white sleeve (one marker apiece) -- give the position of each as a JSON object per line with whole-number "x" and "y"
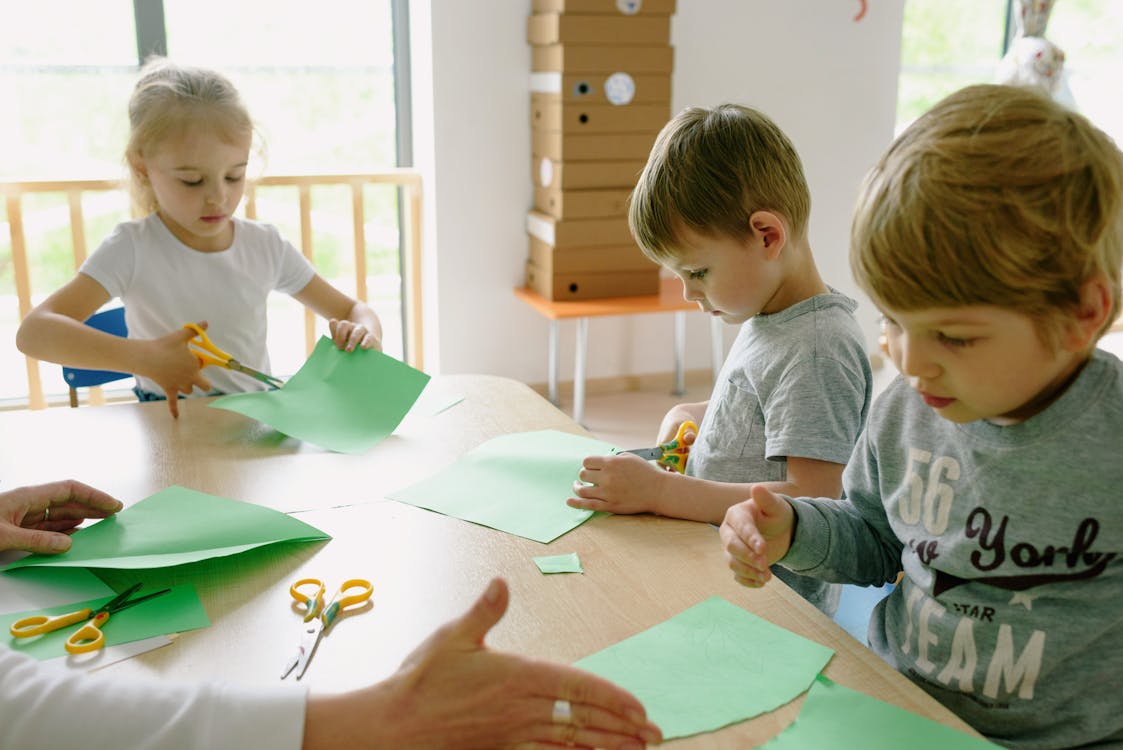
{"x": 47, "y": 708}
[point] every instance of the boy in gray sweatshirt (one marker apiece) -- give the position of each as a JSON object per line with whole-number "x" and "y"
{"x": 991, "y": 237}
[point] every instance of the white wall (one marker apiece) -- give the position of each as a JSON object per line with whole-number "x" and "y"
{"x": 829, "y": 81}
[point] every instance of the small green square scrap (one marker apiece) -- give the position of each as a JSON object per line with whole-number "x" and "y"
{"x": 713, "y": 665}
{"x": 559, "y": 563}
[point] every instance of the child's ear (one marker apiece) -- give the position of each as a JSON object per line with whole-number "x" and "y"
{"x": 137, "y": 165}
{"x": 769, "y": 229}
{"x": 1090, "y": 317}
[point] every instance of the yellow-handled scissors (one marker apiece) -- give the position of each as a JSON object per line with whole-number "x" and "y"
{"x": 88, "y": 637}
{"x": 317, "y": 618}
{"x": 208, "y": 354}
{"x": 672, "y": 454}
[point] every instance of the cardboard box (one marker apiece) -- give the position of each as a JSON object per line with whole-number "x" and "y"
{"x": 552, "y": 260}
{"x": 608, "y": 7}
{"x": 592, "y": 146}
{"x": 580, "y": 175}
{"x": 591, "y": 87}
{"x": 549, "y": 112}
{"x": 556, "y": 28}
{"x": 581, "y": 204}
{"x": 578, "y": 232}
{"x": 592, "y": 285}
{"x": 577, "y": 58}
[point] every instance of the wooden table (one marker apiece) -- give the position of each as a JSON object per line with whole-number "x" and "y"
{"x": 669, "y": 299}
{"x": 426, "y": 568}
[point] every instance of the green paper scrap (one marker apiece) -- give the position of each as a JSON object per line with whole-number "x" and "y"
{"x": 516, "y": 483}
{"x": 713, "y": 665}
{"x": 343, "y": 401}
{"x": 174, "y": 612}
{"x": 559, "y": 563}
{"x": 837, "y": 717}
{"x": 176, "y": 526}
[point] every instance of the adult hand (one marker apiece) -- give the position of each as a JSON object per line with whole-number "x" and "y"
{"x": 37, "y": 518}
{"x": 755, "y": 534}
{"x": 623, "y": 483}
{"x": 347, "y": 335}
{"x": 169, "y": 362}
{"x": 453, "y": 692}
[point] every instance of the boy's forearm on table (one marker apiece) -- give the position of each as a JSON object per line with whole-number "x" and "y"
{"x": 695, "y": 499}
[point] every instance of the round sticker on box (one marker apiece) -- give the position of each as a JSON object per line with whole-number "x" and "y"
{"x": 619, "y": 88}
{"x": 629, "y": 7}
{"x": 546, "y": 172}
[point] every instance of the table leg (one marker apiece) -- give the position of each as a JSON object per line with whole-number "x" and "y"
{"x": 552, "y": 365}
{"x": 717, "y": 346}
{"x": 579, "y": 370}
{"x": 680, "y": 354}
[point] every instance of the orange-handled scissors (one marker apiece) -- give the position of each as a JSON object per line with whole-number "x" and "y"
{"x": 208, "y": 354}
{"x": 88, "y": 637}
{"x": 672, "y": 454}
{"x": 317, "y": 618}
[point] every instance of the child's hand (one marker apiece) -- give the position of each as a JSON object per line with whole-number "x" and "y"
{"x": 171, "y": 364}
{"x": 623, "y": 483}
{"x": 675, "y": 416}
{"x": 347, "y": 335}
{"x": 755, "y": 534}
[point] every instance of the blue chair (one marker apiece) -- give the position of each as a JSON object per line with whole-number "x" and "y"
{"x": 110, "y": 321}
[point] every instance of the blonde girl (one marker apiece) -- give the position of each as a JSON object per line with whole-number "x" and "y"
{"x": 189, "y": 259}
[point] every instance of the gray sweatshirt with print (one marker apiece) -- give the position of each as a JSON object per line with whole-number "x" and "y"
{"x": 1010, "y": 611}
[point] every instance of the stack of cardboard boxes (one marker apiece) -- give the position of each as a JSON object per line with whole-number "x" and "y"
{"x": 600, "y": 93}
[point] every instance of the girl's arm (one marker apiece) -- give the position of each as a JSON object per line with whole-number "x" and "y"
{"x": 352, "y": 323}
{"x": 55, "y": 332}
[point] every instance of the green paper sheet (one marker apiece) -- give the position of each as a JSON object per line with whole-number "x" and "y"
{"x": 843, "y": 719}
{"x": 515, "y": 483}
{"x": 559, "y": 563}
{"x": 713, "y": 665}
{"x": 174, "y": 612}
{"x": 343, "y": 401}
{"x": 173, "y": 527}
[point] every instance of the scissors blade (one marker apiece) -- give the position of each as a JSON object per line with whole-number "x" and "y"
{"x": 309, "y": 637}
{"x": 256, "y": 374}
{"x": 648, "y": 454}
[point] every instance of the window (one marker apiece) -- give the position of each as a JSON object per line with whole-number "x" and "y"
{"x": 320, "y": 82}
{"x": 948, "y": 44}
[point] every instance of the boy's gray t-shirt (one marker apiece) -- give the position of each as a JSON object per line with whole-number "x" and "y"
{"x": 795, "y": 383}
{"x": 1010, "y": 610}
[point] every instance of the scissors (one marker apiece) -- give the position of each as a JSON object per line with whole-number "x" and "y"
{"x": 672, "y": 454}
{"x": 88, "y": 637}
{"x": 208, "y": 354}
{"x": 318, "y": 619}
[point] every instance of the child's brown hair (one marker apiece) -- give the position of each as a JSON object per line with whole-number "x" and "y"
{"x": 709, "y": 171}
{"x": 996, "y": 196}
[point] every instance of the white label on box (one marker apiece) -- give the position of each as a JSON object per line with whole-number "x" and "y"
{"x": 629, "y": 7}
{"x": 546, "y": 172}
{"x": 620, "y": 88}
{"x": 545, "y": 83}
{"x": 540, "y": 228}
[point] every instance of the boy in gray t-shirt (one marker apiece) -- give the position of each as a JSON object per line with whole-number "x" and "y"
{"x": 991, "y": 237}
{"x": 724, "y": 204}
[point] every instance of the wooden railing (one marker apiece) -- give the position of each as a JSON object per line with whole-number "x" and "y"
{"x": 408, "y": 181}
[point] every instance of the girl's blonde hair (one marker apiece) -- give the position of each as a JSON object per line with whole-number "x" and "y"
{"x": 709, "y": 171}
{"x": 996, "y": 196}
{"x": 170, "y": 98}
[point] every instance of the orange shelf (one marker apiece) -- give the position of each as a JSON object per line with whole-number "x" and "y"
{"x": 669, "y": 299}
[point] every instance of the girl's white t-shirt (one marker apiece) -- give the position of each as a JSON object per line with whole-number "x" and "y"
{"x": 164, "y": 284}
